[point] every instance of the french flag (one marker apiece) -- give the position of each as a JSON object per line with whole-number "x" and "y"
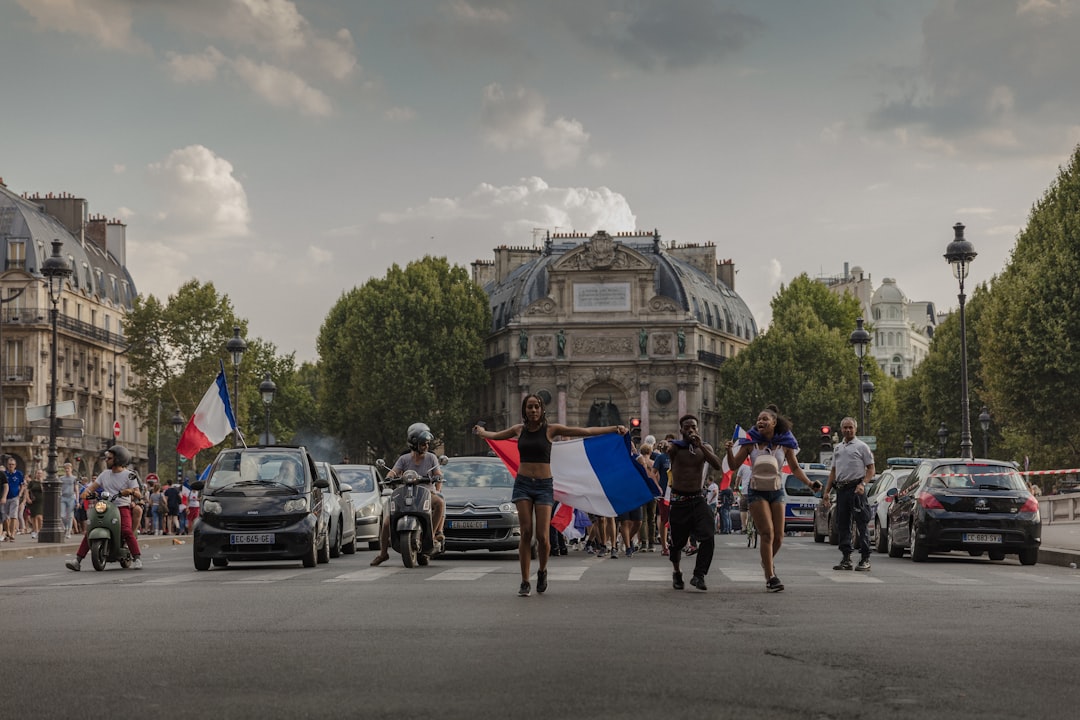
{"x": 739, "y": 434}
{"x": 571, "y": 522}
{"x": 596, "y": 474}
{"x": 212, "y": 422}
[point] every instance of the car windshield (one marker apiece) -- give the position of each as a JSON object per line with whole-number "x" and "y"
{"x": 795, "y": 488}
{"x": 256, "y": 467}
{"x": 477, "y": 473}
{"x": 972, "y": 476}
{"x": 361, "y": 479}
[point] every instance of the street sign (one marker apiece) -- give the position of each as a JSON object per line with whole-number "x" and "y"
{"x": 65, "y": 427}
{"x": 64, "y": 408}
{"x": 116, "y": 429}
{"x": 870, "y": 440}
{"x": 151, "y": 477}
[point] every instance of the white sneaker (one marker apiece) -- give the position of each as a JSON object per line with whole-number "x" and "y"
{"x": 137, "y": 565}
{"x": 67, "y": 536}
{"x": 74, "y": 563}
{"x": 33, "y": 536}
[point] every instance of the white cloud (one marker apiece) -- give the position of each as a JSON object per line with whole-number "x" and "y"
{"x": 319, "y": 256}
{"x": 195, "y": 68}
{"x": 201, "y": 200}
{"x": 282, "y": 88}
{"x": 518, "y": 120}
{"x": 107, "y": 21}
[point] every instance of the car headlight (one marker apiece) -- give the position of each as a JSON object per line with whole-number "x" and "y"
{"x": 296, "y": 505}
{"x": 369, "y": 510}
{"x": 209, "y": 507}
{"x": 508, "y": 508}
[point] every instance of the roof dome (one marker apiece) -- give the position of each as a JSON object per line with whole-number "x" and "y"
{"x": 888, "y": 293}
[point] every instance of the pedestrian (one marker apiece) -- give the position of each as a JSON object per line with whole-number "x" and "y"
{"x": 712, "y": 499}
{"x": 68, "y": 482}
{"x": 742, "y": 479}
{"x": 770, "y": 446}
{"x": 35, "y": 502}
{"x": 727, "y": 501}
{"x": 690, "y": 516}
{"x": 10, "y": 495}
{"x": 533, "y": 491}
{"x": 158, "y": 509}
{"x": 172, "y": 508}
{"x": 852, "y": 470}
{"x": 123, "y": 485}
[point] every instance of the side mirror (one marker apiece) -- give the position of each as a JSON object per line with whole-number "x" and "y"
{"x": 197, "y": 486}
{"x": 381, "y": 463}
{"x": 443, "y": 459}
{"x": 893, "y": 492}
{"x": 322, "y": 484}
{"x": 346, "y": 487}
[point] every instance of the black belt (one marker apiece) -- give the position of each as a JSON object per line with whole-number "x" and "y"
{"x": 848, "y": 484}
{"x": 678, "y": 497}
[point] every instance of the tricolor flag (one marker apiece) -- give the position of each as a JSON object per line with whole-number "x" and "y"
{"x": 570, "y": 522}
{"x": 595, "y": 474}
{"x": 212, "y": 421}
{"x": 728, "y": 474}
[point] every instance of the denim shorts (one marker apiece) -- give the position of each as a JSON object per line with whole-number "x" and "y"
{"x": 769, "y": 496}
{"x": 538, "y": 490}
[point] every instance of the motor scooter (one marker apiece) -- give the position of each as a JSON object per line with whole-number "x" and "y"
{"x": 103, "y": 532}
{"x": 411, "y": 532}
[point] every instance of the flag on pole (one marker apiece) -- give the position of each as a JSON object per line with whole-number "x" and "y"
{"x": 212, "y": 421}
{"x": 596, "y": 474}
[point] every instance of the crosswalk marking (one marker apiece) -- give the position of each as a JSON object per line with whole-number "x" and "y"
{"x": 172, "y": 579}
{"x": 267, "y": 577}
{"x": 463, "y": 573}
{"x": 650, "y": 574}
{"x": 843, "y": 576}
{"x": 366, "y": 575}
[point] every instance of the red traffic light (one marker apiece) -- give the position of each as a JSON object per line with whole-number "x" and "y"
{"x": 635, "y": 422}
{"x": 825, "y": 429}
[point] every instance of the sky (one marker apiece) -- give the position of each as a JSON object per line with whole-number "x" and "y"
{"x": 288, "y": 151}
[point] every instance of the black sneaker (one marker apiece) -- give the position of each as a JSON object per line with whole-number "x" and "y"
{"x": 698, "y": 581}
{"x": 525, "y": 589}
{"x": 774, "y": 584}
{"x": 541, "y": 581}
{"x": 676, "y": 581}
{"x": 845, "y": 564}
{"x": 863, "y": 565}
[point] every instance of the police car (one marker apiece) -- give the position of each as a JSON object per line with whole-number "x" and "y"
{"x": 800, "y": 502}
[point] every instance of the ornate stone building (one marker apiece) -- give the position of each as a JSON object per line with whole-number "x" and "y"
{"x": 608, "y": 328}
{"x": 91, "y": 366}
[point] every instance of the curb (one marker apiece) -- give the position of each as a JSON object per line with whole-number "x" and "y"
{"x": 1059, "y": 556}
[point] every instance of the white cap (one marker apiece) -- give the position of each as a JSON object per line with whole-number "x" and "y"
{"x": 649, "y": 440}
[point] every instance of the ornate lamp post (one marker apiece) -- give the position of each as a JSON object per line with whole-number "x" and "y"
{"x": 267, "y": 388}
{"x": 55, "y": 269}
{"x": 984, "y": 423}
{"x": 867, "y": 389}
{"x": 943, "y": 439}
{"x": 959, "y": 254}
{"x": 909, "y": 446}
{"x": 236, "y": 347}
{"x": 178, "y": 421}
{"x": 860, "y": 339}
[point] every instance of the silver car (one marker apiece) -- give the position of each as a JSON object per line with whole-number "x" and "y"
{"x": 479, "y": 513}
{"x": 367, "y": 499}
{"x": 337, "y": 504}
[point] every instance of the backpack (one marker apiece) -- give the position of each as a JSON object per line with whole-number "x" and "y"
{"x": 765, "y": 473}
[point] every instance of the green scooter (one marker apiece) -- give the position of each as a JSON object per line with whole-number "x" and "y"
{"x": 103, "y": 533}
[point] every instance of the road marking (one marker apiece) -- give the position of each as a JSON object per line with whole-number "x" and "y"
{"x": 939, "y": 577}
{"x": 741, "y": 575}
{"x": 568, "y": 573}
{"x": 650, "y": 574}
{"x": 849, "y": 576}
{"x": 463, "y": 573}
{"x": 366, "y": 575}
{"x": 267, "y": 577}
{"x": 172, "y": 579}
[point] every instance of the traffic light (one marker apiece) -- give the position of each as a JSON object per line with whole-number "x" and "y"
{"x": 826, "y": 437}
{"x": 635, "y": 430}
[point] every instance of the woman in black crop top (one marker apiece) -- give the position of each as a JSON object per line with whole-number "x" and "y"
{"x": 533, "y": 493}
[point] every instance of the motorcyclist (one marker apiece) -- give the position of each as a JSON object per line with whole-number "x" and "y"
{"x": 425, "y": 463}
{"x": 123, "y": 485}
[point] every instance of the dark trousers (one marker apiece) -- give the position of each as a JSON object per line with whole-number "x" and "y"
{"x": 693, "y": 519}
{"x": 851, "y": 505}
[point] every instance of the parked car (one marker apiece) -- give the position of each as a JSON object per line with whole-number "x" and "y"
{"x": 261, "y": 503}
{"x": 479, "y": 513}
{"x": 800, "y": 502}
{"x": 977, "y": 505}
{"x": 877, "y": 494}
{"x": 338, "y": 506}
{"x": 367, "y": 499}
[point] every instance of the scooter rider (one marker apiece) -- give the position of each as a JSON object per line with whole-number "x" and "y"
{"x": 424, "y": 462}
{"x": 123, "y": 484}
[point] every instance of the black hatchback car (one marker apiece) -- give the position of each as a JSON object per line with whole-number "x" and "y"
{"x": 261, "y": 503}
{"x": 973, "y": 505}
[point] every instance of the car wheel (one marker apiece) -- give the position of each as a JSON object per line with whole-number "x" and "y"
{"x": 335, "y": 547}
{"x": 997, "y": 555}
{"x": 349, "y": 548}
{"x": 221, "y": 562}
{"x": 919, "y": 551}
{"x": 895, "y": 551}
{"x": 881, "y": 542}
{"x": 99, "y": 549}
{"x": 818, "y": 537}
{"x": 1029, "y": 556}
{"x": 834, "y": 534}
{"x": 323, "y": 554}
{"x": 311, "y": 557}
{"x": 407, "y": 542}
{"x": 975, "y": 553}
{"x": 201, "y": 563}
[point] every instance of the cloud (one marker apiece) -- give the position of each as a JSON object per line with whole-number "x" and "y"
{"x": 201, "y": 200}
{"x": 107, "y": 21}
{"x": 200, "y": 68}
{"x": 282, "y": 88}
{"x": 399, "y": 114}
{"x": 519, "y": 121}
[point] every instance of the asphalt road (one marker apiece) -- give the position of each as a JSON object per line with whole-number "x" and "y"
{"x": 956, "y": 637}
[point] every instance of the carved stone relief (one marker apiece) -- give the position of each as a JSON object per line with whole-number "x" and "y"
{"x": 602, "y": 345}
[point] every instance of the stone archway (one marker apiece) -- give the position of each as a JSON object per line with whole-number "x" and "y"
{"x": 604, "y": 403}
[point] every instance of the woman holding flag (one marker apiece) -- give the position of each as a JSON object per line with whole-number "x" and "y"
{"x": 533, "y": 492}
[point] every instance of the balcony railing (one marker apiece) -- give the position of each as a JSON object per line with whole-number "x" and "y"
{"x": 710, "y": 358}
{"x": 17, "y": 373}
{"x": 32, "y": 316}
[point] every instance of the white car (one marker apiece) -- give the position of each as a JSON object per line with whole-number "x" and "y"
{"x": 367, "y": 500}
{"x": 877, "y": 496}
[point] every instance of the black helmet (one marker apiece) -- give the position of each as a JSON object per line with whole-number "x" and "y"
{"x": 121, "y": 455}
{"x": 418, "y": 434}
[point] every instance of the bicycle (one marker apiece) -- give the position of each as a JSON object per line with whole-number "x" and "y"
{"x": 751, "y": 532}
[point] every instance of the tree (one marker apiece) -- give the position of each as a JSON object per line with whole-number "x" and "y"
{"x": 401, "y": 349}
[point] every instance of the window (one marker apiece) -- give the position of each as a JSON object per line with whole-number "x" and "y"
{"x": 16, "y": 255}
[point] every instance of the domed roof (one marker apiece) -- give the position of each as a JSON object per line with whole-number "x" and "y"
{"x": 710, "y": 302}
{"x": 888, "y": 293}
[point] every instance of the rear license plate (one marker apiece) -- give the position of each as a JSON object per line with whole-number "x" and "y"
{"x": 252, "y": 539}
{"x": 468, "y": 524}
{"x": 982, "y": 538}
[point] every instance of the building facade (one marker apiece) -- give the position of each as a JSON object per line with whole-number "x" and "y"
{"x": 608, "y": 328}
{"x": 91, "y": 366}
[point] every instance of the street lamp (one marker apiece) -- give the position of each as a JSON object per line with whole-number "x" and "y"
{"x": 909, "y": 446}
{"x": 267, "y": 388}
{"x": 56, "y": 270}
{"x": 984, "y": 423}
{"x": 959, "y": 254}
{"x": 236, "y": 347}
{"x": 943, "y": 439}
{"x": 867, "y": 389}
{"x": 178, "y": 423}
{"x": 860, "y": 339}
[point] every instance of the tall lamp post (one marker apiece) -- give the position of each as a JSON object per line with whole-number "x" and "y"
{"x": 178, "y": 423}
{"x": 984, "y": 423}
{"x": 267, "y": 388}
{"x": 867, "y": 389}
{"x": 236, "y": 347}
{"x": 55, "y": 269}
{"x": 860, "y": 339}
{"x": 959, "y": 254}
{"x": 943, "y": 439}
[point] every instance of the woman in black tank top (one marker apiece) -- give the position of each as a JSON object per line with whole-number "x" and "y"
{"x": 533, "y": 493}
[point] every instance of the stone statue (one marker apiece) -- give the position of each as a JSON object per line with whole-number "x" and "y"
{"x": 682, "y": 341}
{"x": 560, "y": 342}
{"x": 523, "y": 342}
{"x": 643, "y": 341}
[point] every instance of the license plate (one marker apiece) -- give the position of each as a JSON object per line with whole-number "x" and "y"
{"x": 468, "y": 524}
{"x": 252, "y": 539}
{"x": 982, "y": 538}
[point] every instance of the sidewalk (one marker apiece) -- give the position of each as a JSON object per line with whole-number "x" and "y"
{"x": 24, "y": 547}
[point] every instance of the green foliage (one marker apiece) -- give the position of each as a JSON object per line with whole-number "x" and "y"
{"x": 402, "y": 349}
